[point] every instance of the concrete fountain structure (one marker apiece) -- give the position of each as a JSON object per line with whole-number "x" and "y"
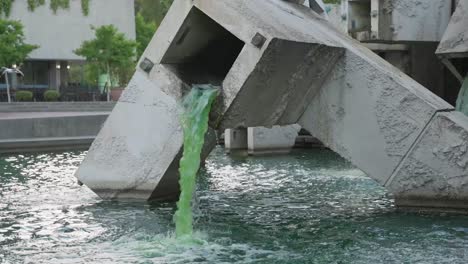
{"x": 279, "y": 63}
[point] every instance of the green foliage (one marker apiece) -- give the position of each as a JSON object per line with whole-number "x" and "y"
{"x": 153, "y": 10}
{"x": 332, "y": 1}
{"x": 144, "y": 32}
{"x": 85, "y": 7}
{"x": 55, "y": 5}
{"x": 33, "y": 4}
{"x": 24, "y": 96}
{"x": 51, "y": 95}
{"x": 91, "y": 74}
{"x": 5, "y": 7}
{"x": 111, "y": 52}
{"x": 13, "y": 50}
{"x": 59, "y": 4}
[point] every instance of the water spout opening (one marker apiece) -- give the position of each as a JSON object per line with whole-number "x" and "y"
{"x": 202, "y": 51}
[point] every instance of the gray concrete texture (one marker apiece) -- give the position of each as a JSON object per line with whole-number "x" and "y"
{"x": 455, "y": 40}
{"x": 283, "y": 64}
{"x": 410, "y": 20}
{"x": 392, "y": 20}
{"x": 31, "y": 125}
{"x": 46, "y": 131}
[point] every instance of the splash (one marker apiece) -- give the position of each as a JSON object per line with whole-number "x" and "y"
{"x": 197, "y": 106}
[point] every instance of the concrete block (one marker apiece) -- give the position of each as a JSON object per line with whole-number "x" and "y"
{"x": 235, "y": 139}
{"x": 454, "y": 42}
{"x": 138, "y": 143}
{"x": 435, "y": 171}
{"x": 369, "y": 114}
{"x": 262, "y": 140}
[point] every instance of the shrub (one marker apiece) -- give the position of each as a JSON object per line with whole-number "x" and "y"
{"x": 24, "y": 96}
{"x": 51, "y": 96}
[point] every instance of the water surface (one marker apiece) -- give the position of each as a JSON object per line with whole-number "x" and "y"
{"x": 307, "y": 207}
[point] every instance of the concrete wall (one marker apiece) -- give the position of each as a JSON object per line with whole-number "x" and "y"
{"x": 59, "y": 34}
{"x": 49, "y": 127}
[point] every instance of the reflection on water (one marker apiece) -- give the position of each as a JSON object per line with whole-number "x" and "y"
{"x": 308, "y": 207}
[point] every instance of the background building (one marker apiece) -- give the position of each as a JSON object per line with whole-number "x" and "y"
{"x": 54, "y": 65}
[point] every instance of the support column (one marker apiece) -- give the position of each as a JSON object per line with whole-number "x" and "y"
{"x": 235, "y": 139}
{"x": 278, "y": 139}
{"x": 64, "y": 76}
{"x": 54, "y": 75}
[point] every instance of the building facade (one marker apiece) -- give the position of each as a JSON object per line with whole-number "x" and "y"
{"x": 54, "y": 65}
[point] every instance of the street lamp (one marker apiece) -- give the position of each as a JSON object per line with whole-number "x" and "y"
{"x": 5, "y": 71}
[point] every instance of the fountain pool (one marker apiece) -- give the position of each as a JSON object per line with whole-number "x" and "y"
{"x": 307, "y": 207}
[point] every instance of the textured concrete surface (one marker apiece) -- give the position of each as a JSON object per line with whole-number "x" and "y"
{"x": 435, "y": 171}
{"x": 369, "y": 116}
{"x": 455, "y": 40}
{"x": 262, "y": 140}
{"x": 410, "y": 20}
{"x": 138, "y": 142}
{"x": 392, "y": 20}
{"x": 283, "y": 64}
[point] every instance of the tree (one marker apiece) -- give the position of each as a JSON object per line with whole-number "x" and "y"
{"x": 111, "y": 52}
{"x": 153, "y": 10}
{"x": 144, "y": 32}
{"x": 13, "y": 49}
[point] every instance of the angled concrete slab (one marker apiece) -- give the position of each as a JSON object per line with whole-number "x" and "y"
{"x": 370, "y": 115}
{"x": 454, "y": 43}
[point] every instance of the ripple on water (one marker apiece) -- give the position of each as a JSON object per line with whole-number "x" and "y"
{"x": 307, "y": 207}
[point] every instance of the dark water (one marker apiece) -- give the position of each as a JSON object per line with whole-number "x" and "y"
{"x": 308, "y": 207}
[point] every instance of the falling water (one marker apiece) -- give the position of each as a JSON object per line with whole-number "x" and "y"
{"x": 462, "y": 101}
{"x": 197, "y": 106}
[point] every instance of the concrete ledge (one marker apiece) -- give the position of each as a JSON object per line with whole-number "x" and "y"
{"x": 431, "y": 205}
{"x": 45, "y": 144}
{"x": 56, "y": 107}
{"x": 50, "y": 126}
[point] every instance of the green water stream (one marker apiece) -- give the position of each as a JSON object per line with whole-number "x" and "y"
{"x": 197, "y": 106}
{"x": 462, "y": 101}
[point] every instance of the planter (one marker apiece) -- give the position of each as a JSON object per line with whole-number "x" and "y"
{"x": 116, "y": 93}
